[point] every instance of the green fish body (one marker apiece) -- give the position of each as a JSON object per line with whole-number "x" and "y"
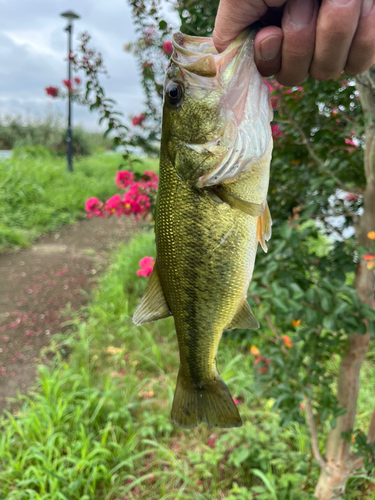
{"x": 211, "y": 214}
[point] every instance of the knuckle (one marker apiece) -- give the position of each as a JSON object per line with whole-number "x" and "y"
{"x": 323, "y": 74}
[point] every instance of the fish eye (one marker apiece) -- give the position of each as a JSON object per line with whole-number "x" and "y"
{"x": 174, "y": 93}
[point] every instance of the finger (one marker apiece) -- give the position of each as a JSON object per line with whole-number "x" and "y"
{"x": 298, "y": 25}
{"x": 336, "y": 26}
{"x": 235, "y": 15}
{"x": 362, "y": 51}
{"x": 267, "y": 45}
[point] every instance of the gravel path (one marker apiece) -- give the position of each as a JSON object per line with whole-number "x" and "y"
{"x": 41, "y": 286}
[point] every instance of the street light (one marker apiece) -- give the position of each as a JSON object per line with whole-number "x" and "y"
{"x": 70, "y": 16}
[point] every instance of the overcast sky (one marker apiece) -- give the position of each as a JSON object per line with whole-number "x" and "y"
{"x": 33, "y": 49}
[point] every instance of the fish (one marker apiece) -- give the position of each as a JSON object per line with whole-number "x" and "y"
{"x": 211, "y": 213}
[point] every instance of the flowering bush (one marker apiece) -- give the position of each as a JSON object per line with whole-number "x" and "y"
{"x": 138, "y": 200}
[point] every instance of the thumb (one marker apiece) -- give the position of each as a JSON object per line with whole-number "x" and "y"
{"x": 233, "y": 16}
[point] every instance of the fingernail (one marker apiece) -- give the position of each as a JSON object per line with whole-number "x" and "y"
{"x": 270, "y": 48}
{"x": 367, "y": 6}
{"x": 340, "y": 3}
{"x": 301, "y": 12}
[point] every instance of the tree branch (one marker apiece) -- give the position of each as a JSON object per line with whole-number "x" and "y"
{"x": 314, "y": 438}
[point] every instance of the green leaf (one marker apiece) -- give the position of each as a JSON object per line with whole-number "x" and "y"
{"x": 280, "y": 305}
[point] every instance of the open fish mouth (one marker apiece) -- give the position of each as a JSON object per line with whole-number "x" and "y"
{"x": 246, "y": 136}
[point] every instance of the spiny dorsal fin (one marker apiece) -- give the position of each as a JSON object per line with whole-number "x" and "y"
{"x": 264, "y": 228}
{"x": 244, "y": 318}
{"x": 247, "y": 207}
{"x": 153, "y": 305}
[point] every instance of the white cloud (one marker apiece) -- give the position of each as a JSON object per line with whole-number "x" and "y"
{"x": 34, "y": 46}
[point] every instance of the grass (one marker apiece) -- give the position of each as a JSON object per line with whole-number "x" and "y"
{"x": 38, "y": 194}
{"x": 98, "y": 427}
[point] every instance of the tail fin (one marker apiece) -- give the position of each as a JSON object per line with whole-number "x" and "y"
{"x": 210, "y": 403}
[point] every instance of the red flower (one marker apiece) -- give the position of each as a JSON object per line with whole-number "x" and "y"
{"x": 369, "y": 256}
{"x": 351, "y": 197}
{"x": 151, "y": 175}
{"x": 147, "y": 265}
{"x": 68, "y": 84}
{"x": 138, "y": 120}
{"x": 211, "y": 443}
{"x": 124, "y": 179}
{"x": 52, "y": 91}
{"x": 77, "y": 80}
{"x": 94, "y": 207}
{"x": 114, "y": 205}
{"x": 276, "y": 132}
{"x": 167, "y": 48}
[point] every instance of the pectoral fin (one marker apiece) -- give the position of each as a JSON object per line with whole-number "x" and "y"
{"x": 153, "y": 305}
{"x": 247, "y": 207}
{"x": 244, "y": 318}
{"x": 264, "y": 228}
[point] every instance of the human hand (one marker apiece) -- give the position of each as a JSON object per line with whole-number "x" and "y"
{"x": 317, "y": 40}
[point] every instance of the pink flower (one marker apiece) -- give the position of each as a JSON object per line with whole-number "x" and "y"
{"x": 114, "y": 205}
{"x": 350, "y": 142}
{"x": 276, "y": 132}
{"x": 351, "y": 197}
{"x": 147, "y": 265}
{"x": 152, "y": 175}
{"x": 167, "y": 48}
{"x": 302, "y": 406}
{"x": 52, "y": 91}
{"x": 77, "y": 80}
{"x": 138, "y": 120}
{"x": 94, "y": 207}
{"x": 211, "y": 443}
{"x": 236, "y": 401}
{"x": 124, "y": 179}
{"x": 68, "y": 84}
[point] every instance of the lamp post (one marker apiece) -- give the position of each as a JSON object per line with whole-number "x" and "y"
{"x": 69, "y": 15}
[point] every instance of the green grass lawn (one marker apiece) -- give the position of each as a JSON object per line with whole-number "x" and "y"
{"x": 98, "y": 426}
{"x": 38, "y": 194}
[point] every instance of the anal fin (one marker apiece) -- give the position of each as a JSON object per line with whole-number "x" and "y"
{"x": 244, "y": 318}
{"x": 249, "y": 208}
{"x": 264, "y": 228}
{"x": 153, "y": 305}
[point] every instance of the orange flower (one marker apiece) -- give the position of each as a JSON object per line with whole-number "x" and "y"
{"x": 369, "y": 256}
{"x": 371, "y": 265}
{"x": 287, "y": 342}
{"x": 296, "y": 322}
{"x": 254, "y": 350}
{"x": 371, "y": 235}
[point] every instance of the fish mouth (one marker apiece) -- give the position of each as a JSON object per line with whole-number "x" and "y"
{"x": 246, "y": 136}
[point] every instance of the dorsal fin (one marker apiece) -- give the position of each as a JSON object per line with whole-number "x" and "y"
{"x": 264, "y": 228}
{"x": 244, "y": 318}
{"x": 153, "y": 305}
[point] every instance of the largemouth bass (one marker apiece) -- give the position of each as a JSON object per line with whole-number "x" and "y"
{"x": 211, "y": 213}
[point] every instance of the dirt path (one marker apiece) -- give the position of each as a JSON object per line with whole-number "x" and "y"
{"x": 37, "y": 287}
